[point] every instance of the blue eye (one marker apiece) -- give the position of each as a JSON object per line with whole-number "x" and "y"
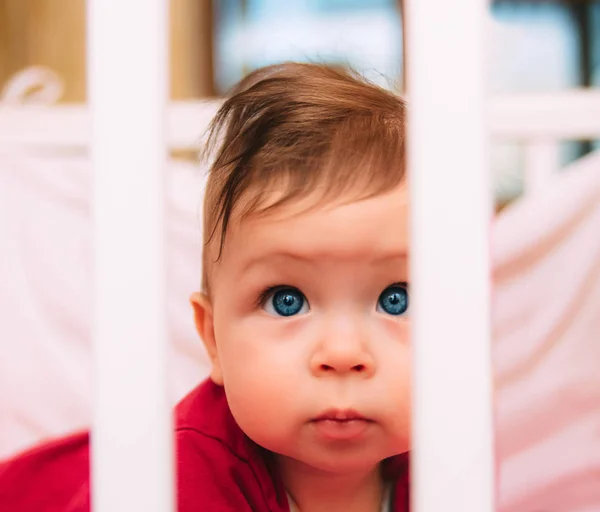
{"x": 285, "y": 302}
{"x": 393, "y": 300}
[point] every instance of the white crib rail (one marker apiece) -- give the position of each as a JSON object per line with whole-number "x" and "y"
{"x": 541, "y": 121}
{"x": 572, "y": 114}
{"x": 542, "y": 162}
{"x": 569, "y": 114}
{"x": 132, "y": 462}
{"x": 70, "y": 126}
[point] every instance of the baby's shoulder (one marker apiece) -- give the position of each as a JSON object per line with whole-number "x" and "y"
{"x": 218, "y": 467}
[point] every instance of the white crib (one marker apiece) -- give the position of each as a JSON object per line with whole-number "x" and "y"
{"x": 129, "y": 128}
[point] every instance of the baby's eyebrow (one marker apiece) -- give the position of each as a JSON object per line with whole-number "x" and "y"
{"x": 271, "y": 255}
{"x": 268, "y": 257}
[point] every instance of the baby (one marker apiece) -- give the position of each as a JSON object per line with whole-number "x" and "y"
{"x": 303, "y": 310}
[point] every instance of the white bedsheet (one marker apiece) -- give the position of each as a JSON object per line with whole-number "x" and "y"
{"x": 46, "y": 292}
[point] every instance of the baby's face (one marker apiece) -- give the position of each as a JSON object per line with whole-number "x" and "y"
{"x": 312, "y": 331}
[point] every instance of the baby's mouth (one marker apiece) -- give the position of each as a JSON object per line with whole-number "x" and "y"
{"x": 340, "y": 415}
{"x": 341, "y": 424}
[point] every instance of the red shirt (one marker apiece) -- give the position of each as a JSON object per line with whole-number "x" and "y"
{"x": 218, "y": 468}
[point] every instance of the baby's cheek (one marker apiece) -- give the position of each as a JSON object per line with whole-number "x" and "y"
{"x": 401, "y": 413}
{"x": 260, "y": 411}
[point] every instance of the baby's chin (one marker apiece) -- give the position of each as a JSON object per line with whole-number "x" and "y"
{"x": 339, "y": 456}
{"x": 335, "y": 462}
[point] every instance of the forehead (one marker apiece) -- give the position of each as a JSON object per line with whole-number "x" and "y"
{"x": 374, "y": 229}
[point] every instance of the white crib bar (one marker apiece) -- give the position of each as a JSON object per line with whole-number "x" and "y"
{"x": 131, "y": 435}
{"x": 542, "y": 162}
{"x": 451, "y": 212}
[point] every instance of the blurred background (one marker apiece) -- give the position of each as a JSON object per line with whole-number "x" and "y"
{"x": 535, "y": 46}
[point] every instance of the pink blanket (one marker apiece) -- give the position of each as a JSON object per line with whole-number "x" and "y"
{"x": 546, "y": 352}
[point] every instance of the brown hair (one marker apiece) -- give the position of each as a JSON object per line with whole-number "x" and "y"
{"x": 298, "y": 129}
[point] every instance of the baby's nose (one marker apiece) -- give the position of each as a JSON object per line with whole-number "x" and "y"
{"x": 344, "y": 350}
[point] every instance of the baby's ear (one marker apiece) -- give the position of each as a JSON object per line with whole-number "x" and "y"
{"x": 203, "y": 316}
